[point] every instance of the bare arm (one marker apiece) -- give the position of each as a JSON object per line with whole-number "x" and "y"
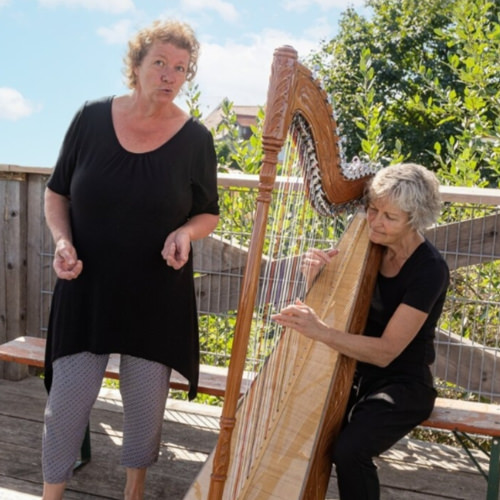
{"x": 66, "y": 263}
{"x": 380, "y": 351}
{"x": 178, "y": 243}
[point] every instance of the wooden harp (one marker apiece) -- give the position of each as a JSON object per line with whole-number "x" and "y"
{"x": 274, "y": 442}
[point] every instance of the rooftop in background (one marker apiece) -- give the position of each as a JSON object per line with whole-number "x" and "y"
{"x": 246, "y": 116}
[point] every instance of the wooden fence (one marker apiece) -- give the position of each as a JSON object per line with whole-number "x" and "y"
{"x": 468, "y": 338}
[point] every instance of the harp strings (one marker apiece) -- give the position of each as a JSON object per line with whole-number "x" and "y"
{"x": 294, "y": 226}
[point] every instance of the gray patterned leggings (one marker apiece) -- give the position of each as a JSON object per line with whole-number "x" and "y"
{"x": 76, "y": 382}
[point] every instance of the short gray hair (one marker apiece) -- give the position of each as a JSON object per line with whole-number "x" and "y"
{"x": 411, "y": 187}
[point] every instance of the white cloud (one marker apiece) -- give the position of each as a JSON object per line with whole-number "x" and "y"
{"x": 118, "y": 33}
{"x": 3, "y": 3}
{"x": 225, "y": 9}
{"x": 13, "y": 105}
{"x": 320, "y": 30}
{"x": 301, "y": 5}
{"x": 113, "y": 6}
{"x": 239, "y": 71}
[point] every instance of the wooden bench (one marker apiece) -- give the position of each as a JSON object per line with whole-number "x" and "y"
{"x": 470, "y": 417}
{"x": 31, "y": 351}
{"x": 460, "y": 417}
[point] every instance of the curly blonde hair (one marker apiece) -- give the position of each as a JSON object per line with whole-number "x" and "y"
{"x": 413, "y": 188}
{"x": 175, "y": 32}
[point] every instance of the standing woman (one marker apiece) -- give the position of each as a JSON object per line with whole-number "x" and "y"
{"x": 393, "y": 386}
{"x": 135, "y": 183}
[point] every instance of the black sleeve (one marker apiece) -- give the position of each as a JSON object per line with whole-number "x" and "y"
{"x": 204, "y": 178}
{"x": 428, "y": 285}
{"x": 60, "y": 179}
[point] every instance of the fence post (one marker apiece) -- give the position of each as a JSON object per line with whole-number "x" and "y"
{"x": 13, "y": 255}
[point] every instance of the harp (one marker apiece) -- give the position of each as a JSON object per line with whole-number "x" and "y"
{"x": 274, "y": 442}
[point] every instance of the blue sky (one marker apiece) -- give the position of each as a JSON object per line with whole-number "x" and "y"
{"x": 55, "y": 54}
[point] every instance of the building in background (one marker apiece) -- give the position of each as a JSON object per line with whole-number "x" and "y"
{"x": 246, "y": 116}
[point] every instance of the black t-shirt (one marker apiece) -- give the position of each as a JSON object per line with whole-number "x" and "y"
{"x": 421, "y": 283}
{"x": 122, "y": 207}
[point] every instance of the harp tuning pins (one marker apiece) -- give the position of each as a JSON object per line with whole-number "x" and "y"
{"x": 357, "y": 169}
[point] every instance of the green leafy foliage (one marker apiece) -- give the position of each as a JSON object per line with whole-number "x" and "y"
{"x": 235, "y": 152}
{"x": 419, "y": 81}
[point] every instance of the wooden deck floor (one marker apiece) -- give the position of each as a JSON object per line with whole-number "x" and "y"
{"x": 412, "y": 470}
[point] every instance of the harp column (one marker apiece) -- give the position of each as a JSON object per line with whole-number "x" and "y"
{"x": 281, "y": 86}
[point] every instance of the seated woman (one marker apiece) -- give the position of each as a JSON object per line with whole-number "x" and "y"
{"x": 393, "y": 390}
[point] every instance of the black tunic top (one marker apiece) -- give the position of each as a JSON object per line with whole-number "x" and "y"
{"x": 421, "y": 283}
{"x": 123, "y": 206}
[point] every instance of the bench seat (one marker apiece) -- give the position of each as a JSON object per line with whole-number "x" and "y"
{"x": 31, "y": 351}
{"x": 466, "y": 416}
{"x": 471, "y": 417}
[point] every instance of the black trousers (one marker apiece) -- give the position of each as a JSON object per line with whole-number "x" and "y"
{"x": 379, "y": 413}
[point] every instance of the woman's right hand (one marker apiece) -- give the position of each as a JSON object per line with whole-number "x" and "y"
{"x": 66, "y": 263}
{"x": 314, "y": 260}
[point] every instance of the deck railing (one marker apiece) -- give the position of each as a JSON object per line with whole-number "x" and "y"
{"x": 468, "y": 235}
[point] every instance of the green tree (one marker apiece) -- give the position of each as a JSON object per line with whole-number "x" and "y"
{"x": 471, "y": 156}
{"x": 400, "y": 38}
{"x": 418, "y": 80}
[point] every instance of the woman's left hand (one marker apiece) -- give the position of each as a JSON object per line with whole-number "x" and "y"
{"x": 176, "y": 249}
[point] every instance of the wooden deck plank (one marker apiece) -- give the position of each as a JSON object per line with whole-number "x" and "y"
{"x": 412, "y": 470}
{"x": 188, "y": 437}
